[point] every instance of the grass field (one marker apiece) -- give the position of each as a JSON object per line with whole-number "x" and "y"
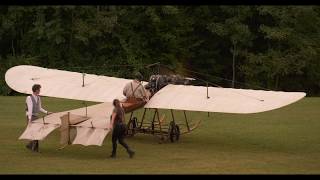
{"x": 283, "y": 141}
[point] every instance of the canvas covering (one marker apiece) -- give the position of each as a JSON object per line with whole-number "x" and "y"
{"x": 65, "y": 84}
{"x": 224, "y": 100}
{"x": 90, "y": 130}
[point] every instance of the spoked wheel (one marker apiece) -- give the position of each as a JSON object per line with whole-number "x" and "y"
{"x": 177, "y": 132}
{"x": 173, "y": 131}
{"x": 132, "y": 126}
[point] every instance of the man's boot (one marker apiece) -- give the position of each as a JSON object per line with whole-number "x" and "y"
{"x": 113, "y": 155}
{"x": 131, "y": 153}
{"x": 35, "y": 147}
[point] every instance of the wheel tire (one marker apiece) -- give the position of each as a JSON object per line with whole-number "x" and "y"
{"x": 131, "y": 126}
{"x": 177, "y": 133}
{"x": 171, "y": 131}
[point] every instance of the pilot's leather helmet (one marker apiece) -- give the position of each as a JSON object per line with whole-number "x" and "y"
{"x": 138, "y": 76}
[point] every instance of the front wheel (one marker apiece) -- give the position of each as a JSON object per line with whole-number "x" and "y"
{"x": 174, "y": 132}
{"x": 131, "y": 126}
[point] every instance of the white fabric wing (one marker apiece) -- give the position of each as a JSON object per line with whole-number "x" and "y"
{"x": 65, "y": 84}
{"x": 225, "y": 100}
{"x": 90, "y": 132}
{"x": 90, "y": 136}
{"x": 38, "y": 131}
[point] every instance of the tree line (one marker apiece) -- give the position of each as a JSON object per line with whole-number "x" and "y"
{"x": 269, "y": 47}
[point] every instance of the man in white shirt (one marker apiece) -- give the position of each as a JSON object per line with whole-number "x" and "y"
{"x": 136, "y": 94}
{"x": 33, "y": 107}
{"x": 135, "y": 89}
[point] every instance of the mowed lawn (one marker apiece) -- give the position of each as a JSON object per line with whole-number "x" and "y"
{"x": 282, "y": 141}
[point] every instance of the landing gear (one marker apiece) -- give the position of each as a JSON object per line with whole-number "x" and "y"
{"x": 164, "y": 131}
{"x": 132, "y": 126}
{"x": 173, "y": 132}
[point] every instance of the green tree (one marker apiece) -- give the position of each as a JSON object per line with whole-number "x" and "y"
{"x": 232, "y": 28}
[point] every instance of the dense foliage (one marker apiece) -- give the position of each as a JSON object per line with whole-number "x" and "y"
{"x": 274, "y": 47}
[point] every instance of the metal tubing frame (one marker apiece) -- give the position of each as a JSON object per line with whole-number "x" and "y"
{"x": 144, "y": 113}
{"x": 185, "y": 116}
{"x": 152, "y": 124}
{"x": 129, "y": 122}
{"x": 172, "y": 116}
{"x": 83, "y": 74}
{"x": 131, "y": 115}
{"x": 159, "y": 124}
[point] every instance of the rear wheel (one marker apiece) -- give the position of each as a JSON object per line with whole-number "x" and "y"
{"x": 173, "y": 132}
{"x": 177, "y": 132}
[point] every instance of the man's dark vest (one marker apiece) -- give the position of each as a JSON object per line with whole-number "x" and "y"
{"x": 35, "y": 106}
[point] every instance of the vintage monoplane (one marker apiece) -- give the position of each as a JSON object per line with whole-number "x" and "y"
{"x": 91, "y": 123}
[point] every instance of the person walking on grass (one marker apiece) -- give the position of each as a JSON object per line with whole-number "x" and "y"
{"x": 119, "y": 129}
{"x": 33, "y": 108}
